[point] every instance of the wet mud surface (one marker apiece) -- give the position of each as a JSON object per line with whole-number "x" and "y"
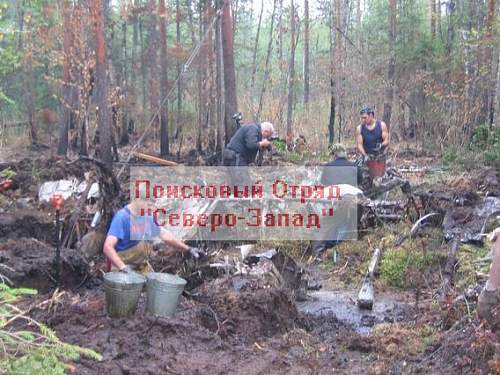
{"x": 342, "y": 304}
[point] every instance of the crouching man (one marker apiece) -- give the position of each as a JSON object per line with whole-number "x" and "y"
{"x": 125, "y": 252}
{"x": 488, "y": 306}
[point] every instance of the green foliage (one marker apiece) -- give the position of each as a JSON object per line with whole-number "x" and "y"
{"x": 467, "y": 259}
{"x": 396, "y": 264}
{"x": 450, "y": 154}
{"x": 293, "y": 157}
{"x": 39, "y": 361}
{"x": 280, "y": 146}
{"x": 487, "y": 141}
{"x": 484, "y": 149}
{"x": 492, "y": 155}
{"x": 35, "y": 351}
{"x": 7, "y": 173}
{"x": 9, "y": 294}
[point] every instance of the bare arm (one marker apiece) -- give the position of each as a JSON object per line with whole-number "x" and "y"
{"x": 170, "y": 240}
{"x": 494, "y": 280}
{"x": 359, "y": 141}
{"x": 110, "y": 251}
{"x": 386, "y": 137}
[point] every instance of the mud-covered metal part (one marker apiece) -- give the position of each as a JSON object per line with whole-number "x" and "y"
{"x": 366, "y": 293}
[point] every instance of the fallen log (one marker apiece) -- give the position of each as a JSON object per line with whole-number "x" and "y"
{"x": 366, "y": 293}
{"x": 449, "y": 270}
{"x": 155, "y": 159}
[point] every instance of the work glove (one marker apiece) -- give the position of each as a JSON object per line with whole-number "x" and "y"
{"x": 127, "y": 269}
{"x": 196, "y": 253}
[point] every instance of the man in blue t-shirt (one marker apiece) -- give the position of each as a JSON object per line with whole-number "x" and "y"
{"x": 128, "y": 246}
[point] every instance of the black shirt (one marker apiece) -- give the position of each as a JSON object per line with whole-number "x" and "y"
{"x": 345, "y": 175}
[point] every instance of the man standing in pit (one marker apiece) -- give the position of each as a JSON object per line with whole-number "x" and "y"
{"x": 128, "y": 244}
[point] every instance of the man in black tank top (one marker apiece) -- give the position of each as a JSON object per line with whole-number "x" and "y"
{"x": 372, "y": 136}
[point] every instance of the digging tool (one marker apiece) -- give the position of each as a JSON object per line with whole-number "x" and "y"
{"x": 366, "y": 294}
{"x": 58, "y": 202}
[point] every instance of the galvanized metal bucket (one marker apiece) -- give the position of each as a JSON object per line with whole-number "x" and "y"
{"x": 122, "y": 293}
{"x": 162, "y": 293}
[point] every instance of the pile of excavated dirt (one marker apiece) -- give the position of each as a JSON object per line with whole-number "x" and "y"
{"x": 265, "y": 335}
{"x": 247, "y": 308}
{"x": 28, "y": 262}
{"x": 27, "y": 223}
{"x": 473, "y": 349}
{"x": 31, "y": 172}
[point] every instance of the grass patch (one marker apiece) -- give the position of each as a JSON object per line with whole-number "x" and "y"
{"x": 398, "y": 264}
{"x": 467, "y": 257}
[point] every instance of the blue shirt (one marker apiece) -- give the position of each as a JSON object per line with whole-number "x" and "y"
{"x": 131, "y": 229}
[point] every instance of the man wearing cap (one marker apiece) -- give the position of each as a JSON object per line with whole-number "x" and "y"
{"x": 339, "y": 171}
{"x": 331, "y": 176}
{"x": 372, "y": 136}
{"x": 242, "y": 149}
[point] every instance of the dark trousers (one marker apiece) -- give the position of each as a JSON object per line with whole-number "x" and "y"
{"x": 239, "y": 176}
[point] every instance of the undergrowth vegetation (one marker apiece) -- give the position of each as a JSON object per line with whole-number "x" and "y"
{"x": 30, "y": 347}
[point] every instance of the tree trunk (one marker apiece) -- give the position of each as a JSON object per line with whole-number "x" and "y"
{"x": 154, "y": 101}
{"x": 268, "y": 59}
{"x": 143, "y": 70}
{"x": 164, "y": 141}
{"x": 333, "y": 57}
{"x": 488, "y": 64}
{"x": 280, "y": 34}
{"x": 438, "y": 20}
{"x": 496, "y": 95}
{"x": 291, "y": 76}
{"x": 389, "y": 90}
{"x": 341, "y": 26}
{"x": 133, "y": 89}
{"x": 219, "y": 83}
{"x": 178, "y": 68}
{"x": 210, "y": 89}
{"x": 125, "y": 109}
{"x": 450, "y": 34}
{"x": 235, "y": 16}
{"x": 254, "y": 57}
{"x": 20, "y": 14}
{"x": 306, "y": 52}
{"x": 103, "y": 117}
{"x": 62, "y": 147}
{"x": 201, "y": 79}
{"x": 432, "y": 16}
{"x": 30, "y": 88}
{"x": 230, "y": 94}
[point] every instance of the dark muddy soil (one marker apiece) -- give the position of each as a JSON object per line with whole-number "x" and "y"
{"x": 267, "y": 336}
{"x": 28, "y": 262}
{"x": 30, "y": 172}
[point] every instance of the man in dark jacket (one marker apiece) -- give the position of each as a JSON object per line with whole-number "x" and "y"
{"x": 243, "y": 147}
{"x": 337, "y": 176}
{"x": 337, "y": 172}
